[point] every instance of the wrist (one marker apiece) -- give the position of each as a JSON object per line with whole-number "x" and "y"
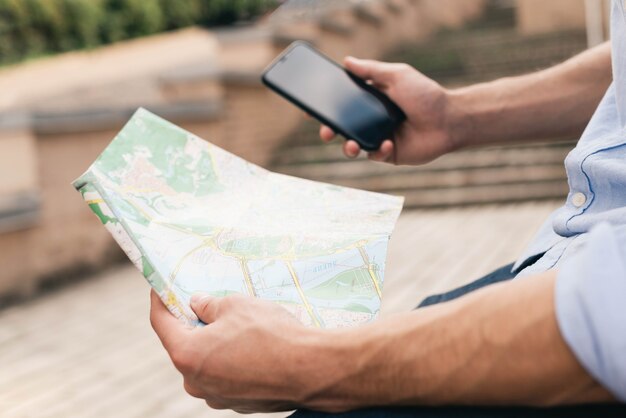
{"x": 329, "y": 366}
{"x": 460, "y": 117}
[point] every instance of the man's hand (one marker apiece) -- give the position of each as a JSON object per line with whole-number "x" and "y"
{"x": 252, "y": 356}
{"x": 241, "y": 360}
{"x": 428, "y": 131}
{"x": 498, "y": 346}
{"x": 554, "y": 103}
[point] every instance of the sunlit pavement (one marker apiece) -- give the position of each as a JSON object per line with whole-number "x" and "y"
{"x": 88, "y": 350}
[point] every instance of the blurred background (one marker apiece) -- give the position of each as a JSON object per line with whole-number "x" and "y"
{"x": 74, "y": 336}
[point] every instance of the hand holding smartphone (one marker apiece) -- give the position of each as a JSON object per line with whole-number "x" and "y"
{"x": 334, "y": 96}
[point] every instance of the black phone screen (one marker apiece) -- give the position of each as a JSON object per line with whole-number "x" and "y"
{"x": 331, "y": 94}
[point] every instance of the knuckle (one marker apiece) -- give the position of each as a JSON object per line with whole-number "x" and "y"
{"x": 245, "y": 411}
{"x": 183, "y": 361}
{"x": 399, "y": 69}
{"x": 232, "y": 301}
{"x": 213, "y": 404}
{"x": 404, "y": 67}
{"x": 204, "y": 310}
{"x": 227, "y": 303}
{"x": 192, "y": 391}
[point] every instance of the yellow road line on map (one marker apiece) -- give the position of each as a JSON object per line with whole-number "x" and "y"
{"x": 138, "y": 208}
{"x": 183, "y": 259}
{"x": 371, "y": 271}
{"x": 246, "y": 274}
{"x": 164, "y": 224}
{"x": 296, "y": 281}
{"x": 211, "y": 243}
{"x": 172, "y": 301}
{"x": 95, "y": 201}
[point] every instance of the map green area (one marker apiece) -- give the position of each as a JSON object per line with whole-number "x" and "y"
{"x": 195, "y": 218}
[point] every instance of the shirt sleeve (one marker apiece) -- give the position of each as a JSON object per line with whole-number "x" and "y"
{"x": 591, "y": 307}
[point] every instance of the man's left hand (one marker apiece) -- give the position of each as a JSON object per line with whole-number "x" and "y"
{"x": 251, "y": 356}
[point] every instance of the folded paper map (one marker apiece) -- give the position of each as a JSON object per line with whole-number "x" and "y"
{"x": 195, "y": 218}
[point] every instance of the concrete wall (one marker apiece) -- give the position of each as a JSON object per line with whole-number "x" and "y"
{"x": 63, "y": 236}
{"x": 18, "y": 161}
{"x": 540, "y": 16}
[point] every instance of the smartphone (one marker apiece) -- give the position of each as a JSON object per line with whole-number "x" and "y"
{"x": 334, "y": 96}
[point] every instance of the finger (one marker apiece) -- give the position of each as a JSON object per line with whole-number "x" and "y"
{"x": 380, "y": 73}
{"x": 167, "y": 327}
{"x": 206, "y": 307}
{"x": 307, "y": 116}
{"x": 384, "y": 153}
{"x": 326, "y": 133}
{"x": 351, "y": 149}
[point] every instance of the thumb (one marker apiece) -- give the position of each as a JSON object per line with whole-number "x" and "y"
{"x": 205, "y": 307}
{"x": 381, "y": 73}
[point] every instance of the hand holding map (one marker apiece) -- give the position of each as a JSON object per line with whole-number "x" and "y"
{"x": 195, "y": 218}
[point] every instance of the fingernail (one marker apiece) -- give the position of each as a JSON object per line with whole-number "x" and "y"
{"x": 199, "y": 297}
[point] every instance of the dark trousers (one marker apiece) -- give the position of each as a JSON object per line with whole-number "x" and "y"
{"x": 502, "y": 274}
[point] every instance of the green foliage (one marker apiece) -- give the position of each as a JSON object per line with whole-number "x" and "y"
{"x": 14, "y": 25}
{"x": 84, "y": 20}
{"x": 47, "y": 24}
{"x": 131, "y": 18}
{"x": 178, "y": 14}
{"x": 34, "y": 27}
{"x": 225, "y": 12}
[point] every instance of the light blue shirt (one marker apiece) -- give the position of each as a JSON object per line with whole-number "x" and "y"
{"x": 586, "y": 238}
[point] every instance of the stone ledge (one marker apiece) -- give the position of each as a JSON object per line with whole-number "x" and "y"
{"x": 281, "y": 40}
{"x": 90, "y": 120}
{"x": 206, "y": 73}
{"x": 367, "y": 15}
{"x": 20, "y": 211}
{"x": 331, "y": 25}
{"x": 393, "y": 7}
{"x": 242, "y": 34}
{"x": 241, "y": 78}
{"x": 10, "y": 121}
{"x": 193, "y": 73}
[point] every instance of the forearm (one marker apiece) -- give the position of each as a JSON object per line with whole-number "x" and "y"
{"x": 552, "y": 103}
{"x": 499, "y": 346}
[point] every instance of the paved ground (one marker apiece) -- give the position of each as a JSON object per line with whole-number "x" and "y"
{"x": 88, "y": 350}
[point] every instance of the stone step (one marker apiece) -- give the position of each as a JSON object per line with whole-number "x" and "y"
{"x": 491, "y": 176}
{"x": 319, "y": 152}
{"x": 495, "y": 174}
{"x": 469, "y": 186}
{"x": 488, "y": 54}
{"x": 483, "y": 40}
{"x": 339, "y": 168}
{"x": 505, "y": 193}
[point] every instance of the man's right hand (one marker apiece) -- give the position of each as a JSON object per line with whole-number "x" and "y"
{"x": 553, "y": 103}
{"x": 428, "y": 131}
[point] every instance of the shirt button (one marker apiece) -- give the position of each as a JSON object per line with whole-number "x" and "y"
{"x": 579, "y": 199}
